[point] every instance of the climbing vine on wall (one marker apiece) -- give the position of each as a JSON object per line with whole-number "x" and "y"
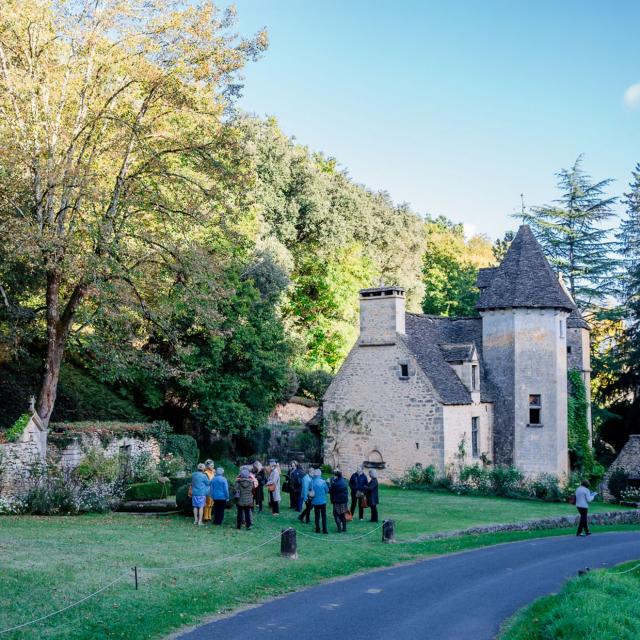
{"x": 579, "y": 436}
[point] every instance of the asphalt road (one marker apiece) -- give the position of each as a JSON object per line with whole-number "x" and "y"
{"x": 465, "y": 595}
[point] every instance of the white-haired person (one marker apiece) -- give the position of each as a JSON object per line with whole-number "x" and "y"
{"x": 219, "y": 495}
{"x": 199, "y": 492}
{"x": 273, "y": 485}
{"x": 318, "y": 492}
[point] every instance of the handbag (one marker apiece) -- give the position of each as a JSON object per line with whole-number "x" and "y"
{"x": 271, "y": 486}
{"x": 348, "y": 516}
{"x": 311, "y": 494}
{"x": 571, "y": 499}
{"x": 190, "y": 491}
{"x": 359, "y": 495}
{"x": 364, "y": 503}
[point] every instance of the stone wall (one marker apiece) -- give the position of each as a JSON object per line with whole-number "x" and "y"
{"x": 525, "y": 354}
{"x": 401, "y": 421}
{"x": 457, "y": 420}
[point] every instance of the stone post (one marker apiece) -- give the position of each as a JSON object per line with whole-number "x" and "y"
{"x": 288, "y": 544}
{"x": 388, "y": 531}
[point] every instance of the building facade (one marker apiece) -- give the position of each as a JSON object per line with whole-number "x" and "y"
{"x": 451, "y": 391}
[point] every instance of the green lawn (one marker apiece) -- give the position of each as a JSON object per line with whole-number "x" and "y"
{"x": 49, "y": 562}
{"x": 602, "y": 605}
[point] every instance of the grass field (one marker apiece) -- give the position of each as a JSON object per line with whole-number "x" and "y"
{"x": 602, "y": 605}
{"x": 49, "y": 562}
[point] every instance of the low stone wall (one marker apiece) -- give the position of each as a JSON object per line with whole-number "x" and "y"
{"x": 540, "y": 524}
{"x": 16, "y": 460}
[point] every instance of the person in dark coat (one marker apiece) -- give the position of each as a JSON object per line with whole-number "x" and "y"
{"x": 357, "y": 484}
{"x": 244, "y": 496}
{"x": 294, "y": 478}
{"x": 261, "y": 477}
{"x": 339, "y": 492}
{"x": 371, "y": 491}
{"x": 305, "y": 516}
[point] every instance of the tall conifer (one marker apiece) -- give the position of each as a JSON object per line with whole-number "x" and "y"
{"x": 574, "y": 237}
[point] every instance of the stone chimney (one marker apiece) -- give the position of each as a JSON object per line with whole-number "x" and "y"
{"x": 381, "y": 315}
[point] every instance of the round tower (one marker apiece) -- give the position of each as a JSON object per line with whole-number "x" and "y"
{"x": 524, "y": 311}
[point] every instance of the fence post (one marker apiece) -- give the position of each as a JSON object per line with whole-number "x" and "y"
{"x": 288, "y": 543}
{"x": 388, "y": 530}
{"x": 135, "y": 576}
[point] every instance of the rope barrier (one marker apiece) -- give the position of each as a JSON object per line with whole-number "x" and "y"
{"x": 619, "y": 573}
{"x": 364, "y": 535}
{"x": 70, "y": 606}
{"x": 214, "y": 562}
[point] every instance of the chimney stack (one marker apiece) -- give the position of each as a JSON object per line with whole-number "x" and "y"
{"x": 381, "y": 314}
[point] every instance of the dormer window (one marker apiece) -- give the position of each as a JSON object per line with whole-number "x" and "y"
{"x": 475, "y": 381}
{"x": 404, "y": 371}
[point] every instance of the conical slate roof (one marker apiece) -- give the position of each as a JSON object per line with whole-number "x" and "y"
{"x": 523, "y": 280}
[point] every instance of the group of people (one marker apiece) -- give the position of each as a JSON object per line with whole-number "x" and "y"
{"x": 211, "y": 496}
{"x": 308, "y": 491}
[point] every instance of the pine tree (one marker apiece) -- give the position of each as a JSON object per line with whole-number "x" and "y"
{"x": 630, "y": 248}
{"x": 572, "y": 233}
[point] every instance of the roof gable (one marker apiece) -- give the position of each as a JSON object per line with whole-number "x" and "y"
{"x": 524, "y": 279}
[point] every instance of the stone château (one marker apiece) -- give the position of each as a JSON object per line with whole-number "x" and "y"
{"x": 448, "y": 391}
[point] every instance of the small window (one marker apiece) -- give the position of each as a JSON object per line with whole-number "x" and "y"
{"x": 568, "y": 349}
{"x": 562, "y": 328}
{"x": 417, "y": 445}
{"x": 404, "y": 370}
{"x": 474, "y": 377}
{"x": 535, "y": 409}
{"x": 474, "y": 436}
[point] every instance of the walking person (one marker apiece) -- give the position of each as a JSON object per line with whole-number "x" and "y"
{"x": 357, "y": 484}
{"x": 273, "y": 485}
{"x": 219, "y": 495}
{"x": 244, "y": 497}
{"x": 261, "y": 477}
{"x": 583, "y": 497}
{"x": 371, "y": 491}
{"x": 305, "y": 516}
{"x": 320, "y": 490}
{"x": 210, "y": 472}
{"x": 199, "y": 492}
{"x": 339, "y": 492}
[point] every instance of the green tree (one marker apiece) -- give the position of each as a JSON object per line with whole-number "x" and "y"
{"x": 111, "y": 153}
{"x": 450, "y": 269}
{"x": 574, "y": 237}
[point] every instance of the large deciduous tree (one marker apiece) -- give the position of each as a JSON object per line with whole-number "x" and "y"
{"x": 573, "y": 233}
{"x": 110, "y": 149}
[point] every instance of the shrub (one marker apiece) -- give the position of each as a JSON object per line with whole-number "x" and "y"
{"x": 618, "y": 482}
{"x": 51, "y": 496}
{"x": 419, "y": 475}
{"x": 171, "y": 465}
{"x": 183, "y": 500}
{"x": 96, "y": 465}
{"x": 176, "y": 483}
{"x": 184, "y": 447}
{"x": 11, "y": 505}
{"x": 313, "y": 383}
{"x": 17, "y": 429}
{"x": 547, "y": 487}
{"x": 326, "y": 468}
{"x": 477, "y": 479}
{"x": 630, "y": 495}
{"x": 145, "y": 491}
{"x": 144, "y": 468}
{"x": 100, "y": 496}
{"x": 506, "y": 481}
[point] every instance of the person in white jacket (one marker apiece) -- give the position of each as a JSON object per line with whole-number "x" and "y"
{"x": 583, "y": 497}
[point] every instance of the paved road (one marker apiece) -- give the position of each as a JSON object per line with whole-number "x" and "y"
{"x": 466, "y": 595}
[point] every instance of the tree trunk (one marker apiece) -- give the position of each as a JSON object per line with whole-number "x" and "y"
{"x": 58, "y": 327}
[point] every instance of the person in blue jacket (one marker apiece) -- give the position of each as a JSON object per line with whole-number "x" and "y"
{"x": 339, "y": 492}
{"x": 199, "y": 492}
{"x": 318, "y": 493}
{"x": 219, "y": 495}
{"x": 305, "y": 516}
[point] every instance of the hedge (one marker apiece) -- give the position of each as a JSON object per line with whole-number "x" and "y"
{"x": 183, "y": 500}
{"x": 145, "y": 491}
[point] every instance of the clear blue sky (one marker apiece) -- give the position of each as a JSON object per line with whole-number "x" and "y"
{"x": 454, "y": 107}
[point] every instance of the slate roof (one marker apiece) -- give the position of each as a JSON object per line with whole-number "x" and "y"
{"x": 424, "y": 337}
{"x": 457, "y": 352}
{"x": 523, "y": 280}
{"x": 576, "y": 321}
